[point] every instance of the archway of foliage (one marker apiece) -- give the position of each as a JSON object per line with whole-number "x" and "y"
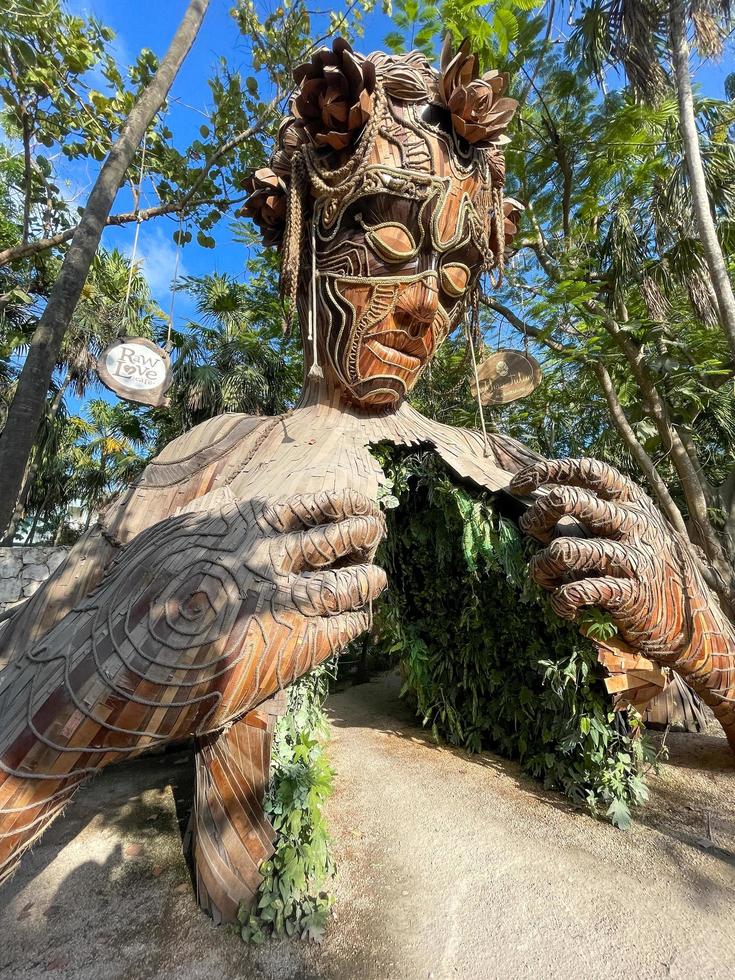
{"x": 484, "y": 658}
{"x": 486, "y": 664}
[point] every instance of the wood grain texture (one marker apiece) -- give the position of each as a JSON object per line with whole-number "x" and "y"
{"x": 229, "y": 835}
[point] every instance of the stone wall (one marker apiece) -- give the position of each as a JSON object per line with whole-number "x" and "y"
{"x": 22, "y": 570}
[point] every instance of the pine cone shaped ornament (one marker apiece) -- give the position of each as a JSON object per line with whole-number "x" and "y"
{"x": 335, "y": 97}
{"x": 480, "y": 113}
{"x": 290, "y": 138}
{"x": 408, "y": 77}
{"x": 511, "y": 218}
{"x": 266, "y": 204}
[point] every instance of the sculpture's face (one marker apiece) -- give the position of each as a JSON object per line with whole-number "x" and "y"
{"x": 395, "y": 262}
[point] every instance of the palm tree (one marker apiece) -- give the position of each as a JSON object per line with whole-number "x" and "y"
{"x": 639, "y": 36}
{"x": 84, "y": 460}
{"x": 106, "y": 455}
{"x": 233, "y": 357}
{"x": 115, "y": 300}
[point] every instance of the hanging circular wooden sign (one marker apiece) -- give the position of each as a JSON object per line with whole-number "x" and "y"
{"x": 506, "y": 376}
{"x": 135, "y": 369}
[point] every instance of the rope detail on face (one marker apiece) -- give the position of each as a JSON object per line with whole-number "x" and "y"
{"x": 308, "y": 177}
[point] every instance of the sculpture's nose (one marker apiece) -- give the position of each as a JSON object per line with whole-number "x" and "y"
{"x": 418, "y": 301}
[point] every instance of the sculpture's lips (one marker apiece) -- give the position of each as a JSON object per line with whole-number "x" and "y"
{"x": 398, "y": 348}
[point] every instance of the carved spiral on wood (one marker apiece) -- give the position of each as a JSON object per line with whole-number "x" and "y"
{"x": 202, "y": 617}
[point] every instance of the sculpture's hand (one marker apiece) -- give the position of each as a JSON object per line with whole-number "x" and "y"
{"x": 201, "y": 617}
{"x": 632, "y": 567}
{"x": 635, "y": 567}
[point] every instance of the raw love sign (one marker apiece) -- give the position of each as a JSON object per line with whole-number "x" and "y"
{"x": 135, "y": 369}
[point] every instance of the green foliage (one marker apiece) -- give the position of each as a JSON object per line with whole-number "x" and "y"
{"x": 292, "y": 899}
{"x": 233, "y": 357}
{"x": 485, "y": 660}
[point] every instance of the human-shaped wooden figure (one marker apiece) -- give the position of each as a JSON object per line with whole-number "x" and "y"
{"x": 243, "y": 556}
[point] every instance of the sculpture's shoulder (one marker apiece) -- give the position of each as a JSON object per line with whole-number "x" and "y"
{"x": 490, "y": 463}
{"x": 200, "y": 447}
{"x": 187, "y": 468}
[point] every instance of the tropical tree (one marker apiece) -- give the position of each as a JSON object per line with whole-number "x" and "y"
{"x": 107, "y": 454}
{"x": 115, "y": 299}
{"x": 234, "y": 356}
{"x": 26, "y": 408}
{"x": 642, "y": 37}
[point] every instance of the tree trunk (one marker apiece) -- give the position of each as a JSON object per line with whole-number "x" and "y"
{"x": 700, "y": 199}
{"x": 639, "y": 454}
{"x": 701, "y": 531}
{"x": 27, "y": 406}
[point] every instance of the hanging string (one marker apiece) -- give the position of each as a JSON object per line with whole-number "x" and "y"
{"x": 137, "y": 195}
{"x": 523, "y": 309}
{"x": 169, "y": 344}
{"x": 486, "y": 441}
{"x": 315, "y": 370}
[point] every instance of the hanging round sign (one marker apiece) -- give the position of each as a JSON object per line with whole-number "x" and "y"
{"x": 506, "y": 376}
{"x": 135, "y": 369}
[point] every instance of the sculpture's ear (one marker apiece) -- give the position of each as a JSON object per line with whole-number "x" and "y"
{"x": 479, "y": 109}
{"x": 335, "y": 96}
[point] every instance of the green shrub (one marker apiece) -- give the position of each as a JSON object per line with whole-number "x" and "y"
{"x": 291, "y": 900}
{"x": 484, "y": 658}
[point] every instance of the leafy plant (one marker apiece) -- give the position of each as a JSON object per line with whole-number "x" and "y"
{"x": 484, "y": 659}
{"x": 292, "y": 899}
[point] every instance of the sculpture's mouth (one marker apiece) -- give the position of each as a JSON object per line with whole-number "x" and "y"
{"x": 397, "y": 348}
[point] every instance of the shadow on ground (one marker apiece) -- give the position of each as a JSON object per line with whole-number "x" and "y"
{"x": 450, "y": 865}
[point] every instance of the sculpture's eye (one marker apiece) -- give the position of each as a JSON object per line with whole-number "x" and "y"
{"x": 455, "y": 277}
{"x": 392, "y": 241}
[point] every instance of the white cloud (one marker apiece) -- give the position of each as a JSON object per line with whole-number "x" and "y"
{"x": 156, "y": 254}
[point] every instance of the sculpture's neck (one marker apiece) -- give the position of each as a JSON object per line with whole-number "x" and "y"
{"x": 319, "y": 391}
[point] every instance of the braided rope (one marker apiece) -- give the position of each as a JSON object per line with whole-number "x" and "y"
{"x": 307, "y": 175}
{"x": 340, "y": 182}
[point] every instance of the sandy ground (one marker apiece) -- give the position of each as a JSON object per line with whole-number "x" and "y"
{"x": 450, "y": 866}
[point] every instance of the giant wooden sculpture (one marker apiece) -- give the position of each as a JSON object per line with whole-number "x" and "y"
{"x": 244, "y": 554}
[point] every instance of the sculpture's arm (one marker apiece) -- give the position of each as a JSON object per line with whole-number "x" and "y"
{"x": 201, "y": 618}
{"x": 175, "y": 481}
{"x": 634, "y": 566}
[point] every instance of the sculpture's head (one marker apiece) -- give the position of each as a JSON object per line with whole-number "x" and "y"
{"x": 385, "y": 194}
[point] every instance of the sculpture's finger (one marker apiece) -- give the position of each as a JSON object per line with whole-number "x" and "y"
{"x": 568, "y": 558}
{"x": 592, "y": 474}
{"x": 332, "y": 592}
{"x": 615, "y": 595}
{"x": 343, "y": 629}
{"x": 354, "y": 539}
{"x": 307, "y": 510}
{"x": 599, "y": 516}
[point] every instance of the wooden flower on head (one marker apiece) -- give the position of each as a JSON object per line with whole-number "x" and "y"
{"x": 335, "y": 97}
{"x": 266, "y": 204}
{"x": 479, "y": 111}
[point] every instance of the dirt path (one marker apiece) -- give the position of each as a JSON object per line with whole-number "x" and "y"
{"x": 450, "y": 866}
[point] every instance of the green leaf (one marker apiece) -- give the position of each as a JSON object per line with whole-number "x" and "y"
{"x": 619, "y": 814}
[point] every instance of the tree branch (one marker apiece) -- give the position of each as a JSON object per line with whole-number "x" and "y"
{"x": 644, "y": 461}
{"x": 175, "y": 207}
{"x": 521, "y": 325}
